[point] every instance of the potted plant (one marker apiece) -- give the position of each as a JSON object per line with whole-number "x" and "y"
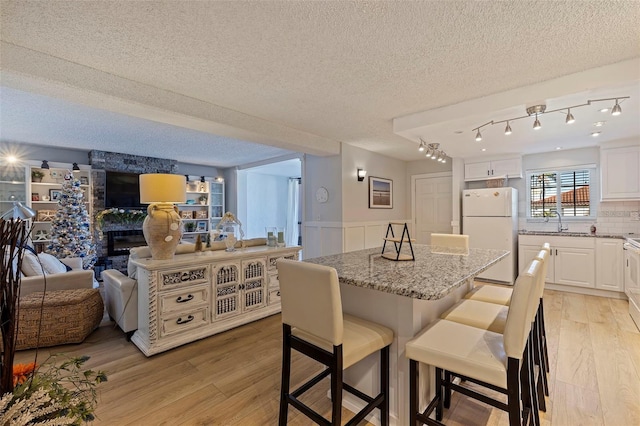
{"x": 203, "y": 200}
{"x": 36, "y": 175}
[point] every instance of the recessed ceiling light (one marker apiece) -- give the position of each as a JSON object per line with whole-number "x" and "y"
{"x": 599, "y": 123}
{"x": 558, "y": 148}
{"x": 484, "y": 149}
{"x": 604, "y": 110}
{"x": 595, "y": 134}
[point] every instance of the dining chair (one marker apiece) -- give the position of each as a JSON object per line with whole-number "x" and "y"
{"x": 500, "y": 362}
{"x": 450, "y": 241}
{"x": 313, "y": 324}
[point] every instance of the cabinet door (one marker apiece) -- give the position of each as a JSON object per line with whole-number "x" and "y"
{"x": 574, "y": 266}
{"x": 226, "y": 281}
{"x": 609, "y": 264}
{"x": 254, "y": 285}
{"x": 511, "y": 167}
{"x": 620, "y": 173}
{"x": 526, "y": 253}
{"x": 477, "y": 171}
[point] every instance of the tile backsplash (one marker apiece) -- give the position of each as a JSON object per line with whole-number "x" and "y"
{"x": 615, "y": 218}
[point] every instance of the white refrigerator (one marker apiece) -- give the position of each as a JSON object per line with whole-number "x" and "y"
{"x": 490, "y": 219}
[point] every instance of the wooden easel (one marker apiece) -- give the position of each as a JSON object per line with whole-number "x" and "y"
{"x": 397, "y": 242}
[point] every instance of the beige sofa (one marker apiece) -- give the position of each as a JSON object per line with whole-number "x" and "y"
{"x": 121, "y": 291}
{"x": 74, "y": 279}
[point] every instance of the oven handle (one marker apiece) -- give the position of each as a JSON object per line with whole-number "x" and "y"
{"x": 631, "y": 247}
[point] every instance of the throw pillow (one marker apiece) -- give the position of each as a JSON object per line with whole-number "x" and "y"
{"x": 31, "y": 265}
{"x": 51, "y": 264}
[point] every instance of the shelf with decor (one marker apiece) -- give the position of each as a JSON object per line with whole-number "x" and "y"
{"x": 45, "y": 189}
{"x": 204, "y": 206}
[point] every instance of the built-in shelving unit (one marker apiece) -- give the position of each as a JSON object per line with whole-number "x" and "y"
{"x": 44, "y": 192}
{"x": 204, "y": 206}
{"x": 12, "y": 185}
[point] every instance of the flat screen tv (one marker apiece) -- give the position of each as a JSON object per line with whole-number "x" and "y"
{"x": 122, "y": 190}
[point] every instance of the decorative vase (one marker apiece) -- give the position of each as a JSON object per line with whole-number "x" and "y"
{"x": 161, "y": 229}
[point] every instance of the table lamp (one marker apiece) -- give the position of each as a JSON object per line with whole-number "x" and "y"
{"x": 161, "y": 227}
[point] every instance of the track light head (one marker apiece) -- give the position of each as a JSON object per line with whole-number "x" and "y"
{"x": 75, "y": 167}
{"x": 421, "y": 147}
{"x": 478, "y": 136}
{"x": 45, "y": 164}
{"x": 570, "y": 119}
{"x": 617, "y": 110}
{"x": 507, "y": 130}
{"x": 536, "y": 124}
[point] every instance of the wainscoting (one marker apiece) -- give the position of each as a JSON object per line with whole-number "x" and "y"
{"x": 326, "y": 238}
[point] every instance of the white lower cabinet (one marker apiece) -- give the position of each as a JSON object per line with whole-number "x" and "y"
{"x": 610, "y": 264}
{"x": 572, "y": 261}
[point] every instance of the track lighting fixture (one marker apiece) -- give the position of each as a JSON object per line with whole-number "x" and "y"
{"x": 569, "y": 119}
{"x": 538, "y": 110}
{"x": 421, "y": 147}
{"x": 202, "y": 179}
{"x": 435, "y": 153}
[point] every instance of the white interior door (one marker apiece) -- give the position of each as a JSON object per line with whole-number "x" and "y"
{"x": 433, "y": 207}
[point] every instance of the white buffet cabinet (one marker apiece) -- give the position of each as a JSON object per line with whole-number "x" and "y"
{"x": 197, "y": 295}
{"x": 593, "y": 264}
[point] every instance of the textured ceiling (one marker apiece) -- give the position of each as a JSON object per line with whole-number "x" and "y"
{"x": 305, "y": 75}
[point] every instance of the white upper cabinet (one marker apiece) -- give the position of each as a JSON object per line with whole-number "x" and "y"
{"x": 489, "y": 169}
{"x": 620, "y": 173}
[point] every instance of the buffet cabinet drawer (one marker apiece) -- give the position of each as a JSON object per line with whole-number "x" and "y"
{"x": 180, "y": 322}
{"x": 188, "y": 276}
{"x": 274, "y": 259}
{"x": 184, "y": 299}
{"x": 274, "y": 296}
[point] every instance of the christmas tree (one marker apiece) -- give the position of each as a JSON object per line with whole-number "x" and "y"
{"x": 70, "y": 229}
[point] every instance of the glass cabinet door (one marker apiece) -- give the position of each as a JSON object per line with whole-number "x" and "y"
{"x": 12, "y": 186}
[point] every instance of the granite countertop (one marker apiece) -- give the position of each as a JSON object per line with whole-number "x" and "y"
{"x": 573, "y": 234}
{"x": 431, "y": 276}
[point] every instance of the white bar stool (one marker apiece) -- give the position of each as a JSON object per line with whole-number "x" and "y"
{"x": 496, "y": 361}
{"x": 313, "y": 324}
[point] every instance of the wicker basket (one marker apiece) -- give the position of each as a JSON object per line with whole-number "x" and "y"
{"x": 497, "y": 182}
{"x": 68, "y": 316}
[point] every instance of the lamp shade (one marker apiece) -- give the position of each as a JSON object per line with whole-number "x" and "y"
{"x": 162, "y": 188}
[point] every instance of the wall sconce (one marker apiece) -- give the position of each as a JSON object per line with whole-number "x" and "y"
{"x": 45, "y": 164}
{"x": 361, "y": 174}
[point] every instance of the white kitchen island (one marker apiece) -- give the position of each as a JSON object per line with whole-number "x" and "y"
{"x": 404, "y": 296}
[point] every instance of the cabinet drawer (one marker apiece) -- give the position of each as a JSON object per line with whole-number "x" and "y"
{"x": 182, "y": 277}
{"x": 272, "y": 260}
{"x": 183, "y": 321}
{"x": 185, "y": 299}
{"x": 274, "y": 296}
{"x": 274, "y": 282}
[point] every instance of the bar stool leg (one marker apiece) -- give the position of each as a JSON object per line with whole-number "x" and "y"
{"x": 447, "y": 390}
{"x": 438, "y": 391}
{"x": 286, "y": 374}
{"x": 414, "y": 390}
{"x": 384, "y": 386}
{"x": 533, "y": 391}
{"x": 336, "y": 386}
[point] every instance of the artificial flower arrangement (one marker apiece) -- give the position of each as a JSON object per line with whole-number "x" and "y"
{"x": 121, "y": 216}
{"x": 58, "y": 392}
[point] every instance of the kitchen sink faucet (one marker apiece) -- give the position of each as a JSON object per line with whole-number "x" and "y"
{"x": 560, "y": 227}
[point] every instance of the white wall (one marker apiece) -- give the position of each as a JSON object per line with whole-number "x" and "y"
{"x": 325, "y": 172}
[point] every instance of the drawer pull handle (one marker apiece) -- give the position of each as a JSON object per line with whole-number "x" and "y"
{"x": 181, "y": 321}
{"x": 186, "y": 299}
{"x": 278, "y": 293}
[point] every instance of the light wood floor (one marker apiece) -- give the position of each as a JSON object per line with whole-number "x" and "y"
{"x": 234, "y": 378}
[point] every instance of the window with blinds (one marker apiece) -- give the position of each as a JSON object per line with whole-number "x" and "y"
{"x": 567, "y": 192}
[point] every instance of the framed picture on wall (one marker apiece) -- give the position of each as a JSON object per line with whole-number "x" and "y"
{"x": 380, "y": 193}
{"x": 55, "y": 194}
